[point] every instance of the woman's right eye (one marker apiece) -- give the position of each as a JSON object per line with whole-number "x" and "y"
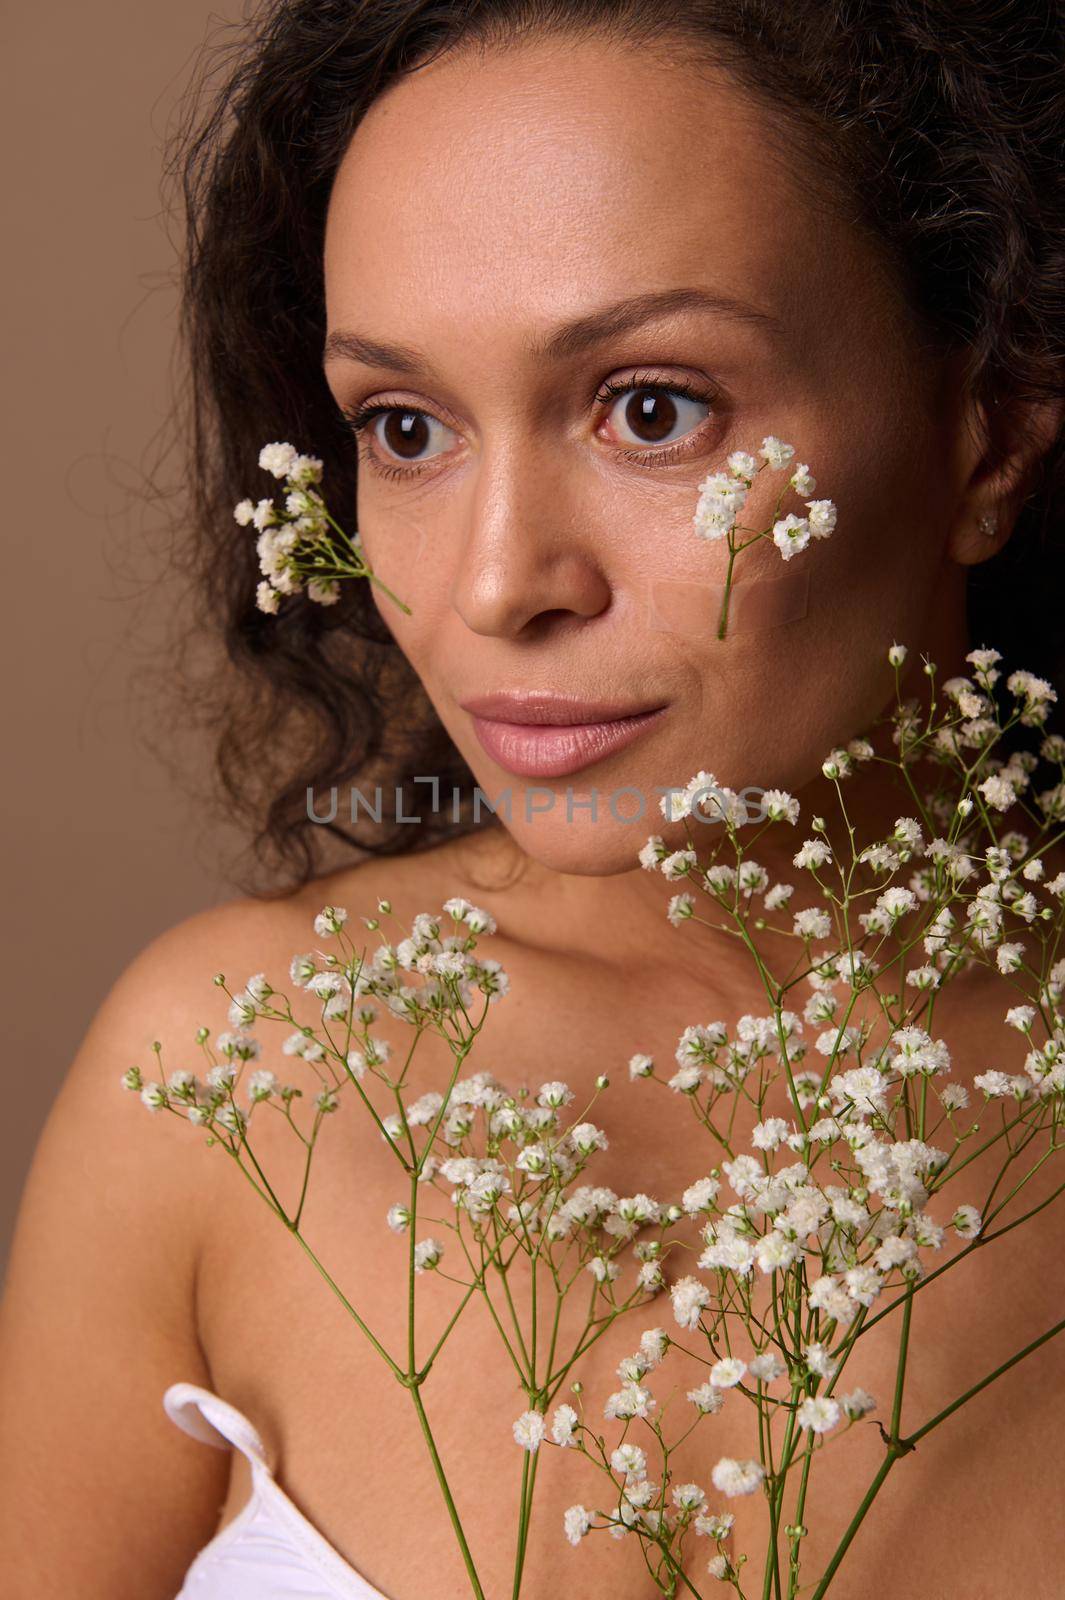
{"x": 402, "y": 433}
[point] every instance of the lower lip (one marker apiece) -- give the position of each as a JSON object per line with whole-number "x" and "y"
{"x": 544, "y": 750}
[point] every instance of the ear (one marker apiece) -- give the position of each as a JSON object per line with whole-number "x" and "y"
{"x": 1001, "y": 453}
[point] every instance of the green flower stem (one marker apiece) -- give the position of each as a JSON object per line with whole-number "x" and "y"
{"x": 412, "y": 1380}
{"x": 679, "y": 1575}
{"x": 941, "y": 1416}
{"x": 479, "y": 1282}
{"x": 528, "y": 1480}
{"x": 987, "y": 1239}
{"x": 886, "y": 1465}
{"x": 396, "y": 1370}
{"x": 363, "y": 568}
{"x": 723, "y": 619}
{"x": 800, "y": 1508}
{"x": 900, "y": 1374}
{"x": 771, "y": 1583}
{"x": 456, "y": 1523}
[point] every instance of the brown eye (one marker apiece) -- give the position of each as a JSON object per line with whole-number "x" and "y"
{"x": 652, "y": 416}
{"x": 657, "y": 415}
{"x": 406, "y": 433}
{"x": 391, "y": 434}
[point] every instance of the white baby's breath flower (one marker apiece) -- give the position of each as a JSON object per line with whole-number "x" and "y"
{"x": 857, "y": 1404}
{"x": 1009, "y": 957}
{"x": 564, "y": 1425}
{"x": 701, "y": 1196}
{"x": 706, "y": 1398}
{"x": 427, "y": 1253}
{"x": 967, "y": 1222}
{"x": 277, "y": 459}
{"x": 791, "y": 534}
{"x": 329, "y": 920}
{"x": 776, "y": 452}
{"x": 822, "y": 517}
{"x": 652, "y": 852}
{"x": 732, "y": 1477}
{"x": 813, "y": 854}
{"x": 767, "y": 1367}
{"x": 678, "y": 864}
{"x": 680, "y": 907}
{"x": 629, "y": 1460}
{"x": 631, "y": 1400}
{"x": 994, "y": 1083}
{"x": 267, "y": 598}
{"x": 529, "y": 1430}
{"x": 688, "y": 1497}
{"x": 587, "y": 1137}
{"x": 690, "y": 1298}
{"x": 654, "y": 1342}
{"x": 818, "y": 1413}
{"x": 819, "y": 1362}
{"x": 576, "y": 1521}
{"x": 780, "y": 806}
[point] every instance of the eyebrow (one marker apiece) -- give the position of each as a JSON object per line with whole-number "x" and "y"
{"x": 569, "y": 339}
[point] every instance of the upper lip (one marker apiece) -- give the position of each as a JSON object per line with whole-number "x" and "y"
{"x": 557, "y": 710}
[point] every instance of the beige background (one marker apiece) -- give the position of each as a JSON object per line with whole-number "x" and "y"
{"x": 101, "y": 853}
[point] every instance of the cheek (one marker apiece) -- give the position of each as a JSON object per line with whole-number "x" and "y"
{"x": 399, "y": 549}
{"x": 395, "y": 538}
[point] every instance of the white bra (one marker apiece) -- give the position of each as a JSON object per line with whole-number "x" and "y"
{"x": 269, "y": 1551}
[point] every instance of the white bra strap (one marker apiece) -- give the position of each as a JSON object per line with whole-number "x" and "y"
{"x": 207, "y": 1417}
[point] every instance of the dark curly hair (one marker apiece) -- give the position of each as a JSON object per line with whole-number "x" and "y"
{"x": 939, "y": 127}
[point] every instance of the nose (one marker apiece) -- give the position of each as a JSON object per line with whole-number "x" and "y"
{"x": 531, "y": 554}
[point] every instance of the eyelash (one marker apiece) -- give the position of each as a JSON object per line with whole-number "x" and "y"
{"x": 360, "y": 417}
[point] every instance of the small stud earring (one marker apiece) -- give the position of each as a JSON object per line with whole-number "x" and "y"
{"x": 988, "y": 526}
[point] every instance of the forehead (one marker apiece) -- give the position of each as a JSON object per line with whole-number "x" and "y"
{"x": 510, "y": 185}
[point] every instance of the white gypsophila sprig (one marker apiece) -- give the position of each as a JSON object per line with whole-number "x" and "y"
{"x": 301, "y": 548}
{"x": 723, "y": 496}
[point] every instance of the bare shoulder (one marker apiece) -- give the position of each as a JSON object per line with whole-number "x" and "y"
{"x": 100, "y": 1493}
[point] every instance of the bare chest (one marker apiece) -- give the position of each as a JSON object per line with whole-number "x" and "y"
{"x": 347, "y": 1441}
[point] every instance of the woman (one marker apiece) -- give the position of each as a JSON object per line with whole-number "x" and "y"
{"x": 561, "y": 260}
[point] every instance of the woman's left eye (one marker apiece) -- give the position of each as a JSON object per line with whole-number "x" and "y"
{"x": 655, "y": 413}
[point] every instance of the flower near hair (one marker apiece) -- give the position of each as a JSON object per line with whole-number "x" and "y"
{"x": 723, "y": 495}
{"x": 301, "y": 548}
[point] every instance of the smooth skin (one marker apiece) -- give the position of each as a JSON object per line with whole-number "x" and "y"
{"x": 483, "y": 203}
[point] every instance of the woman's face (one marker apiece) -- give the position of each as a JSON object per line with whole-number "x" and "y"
{"x": 487, "y": 215}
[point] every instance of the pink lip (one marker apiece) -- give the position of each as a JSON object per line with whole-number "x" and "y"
{"x": 541, "y": 706}
{"x": 541, "y": 749}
